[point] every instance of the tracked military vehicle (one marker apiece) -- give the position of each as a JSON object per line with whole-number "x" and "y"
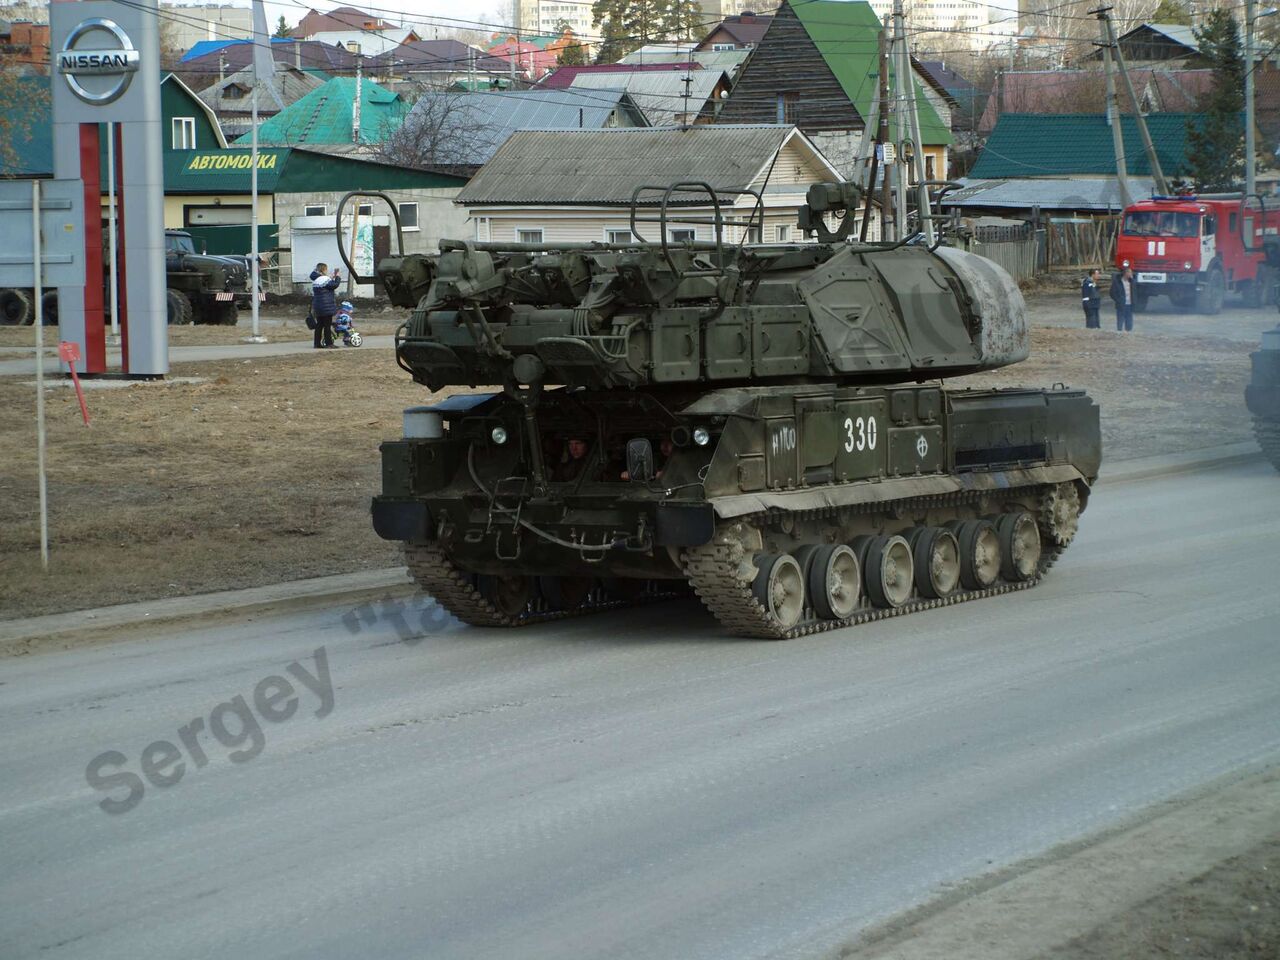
{"x": 766, "y": 425}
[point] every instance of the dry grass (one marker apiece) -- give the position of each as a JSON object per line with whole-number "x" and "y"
{"x": 263, "y": 472}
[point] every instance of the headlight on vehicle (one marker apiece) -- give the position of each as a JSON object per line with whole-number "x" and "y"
{"x": 1187, "y": 265}
{"x": 1124, "y": 263}
{"x": 498, "y": 435}
{"x": 700, "y": 436}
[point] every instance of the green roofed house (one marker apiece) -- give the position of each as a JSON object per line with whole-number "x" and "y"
{"x": 817, "y": 67}
{"x": 1024, "y": 145}
{"x": 329, "y": 116}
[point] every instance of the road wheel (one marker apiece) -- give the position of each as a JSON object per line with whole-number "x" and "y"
{"x": 178, "y": 308}
{"x": 1209, "y": 300}
{"x": 565, "y": 593}
{"x": 936, "y": 553}
{"x": 889, "y": 571}
{"x": 510, "y": 595}
{"x": 49, "y": 308}
{"x": 1019, "y": 546}
{"x": 979, "y": 553}
{"x": 779, "y": 586}
{"x": 834, "y": 581}
{"x": 15, "y": 308}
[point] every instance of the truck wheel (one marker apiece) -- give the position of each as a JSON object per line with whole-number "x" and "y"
{"x": 15, "y": 308}
{"x": 1209, "y": 300}
{"x": 49, "y": 308}
{"x": 224, "y": 313}
{"x": 179, "y": 308}
{"x": 1257, "y": 294}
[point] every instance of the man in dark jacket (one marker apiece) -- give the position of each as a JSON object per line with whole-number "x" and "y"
{"x": 1122, "y": 295}
{"x": 323, "y": 303}
{"x": 1091, "y": 300}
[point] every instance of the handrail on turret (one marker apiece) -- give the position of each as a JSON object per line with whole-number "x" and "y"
{"x": 717, "y": 220}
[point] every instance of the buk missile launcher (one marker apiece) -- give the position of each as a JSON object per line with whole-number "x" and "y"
{"x": 766, "y": 425}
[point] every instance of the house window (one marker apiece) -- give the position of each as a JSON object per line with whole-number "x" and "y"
{"x": 365, "y": 210}
{"x": 929, "y": 167}
{"x": 233, "y": 91}
{"x": 315, "y": 210}
{"x": 529, "y": 235}
{"x": 753, "y": 234}
{"x": 618, "y": 235}
{"x": 184, "y": 133}
{"x": 723, "y": 46}
{"x": 482, "y": 229}
{"x": 787, "y": 104}
{"x": 783, "y": 233}
{"x": 685, "y": 235}
{"x": 408, "y": 216}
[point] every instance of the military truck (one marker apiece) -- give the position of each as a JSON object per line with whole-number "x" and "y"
{"x": 201, "y": 288}
{"x": 766, "y": 425}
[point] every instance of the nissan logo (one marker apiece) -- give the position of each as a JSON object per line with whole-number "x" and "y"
{"x": 98, "y": 73}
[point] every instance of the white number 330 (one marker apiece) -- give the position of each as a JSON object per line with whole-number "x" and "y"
{"x": 860, "y": 434}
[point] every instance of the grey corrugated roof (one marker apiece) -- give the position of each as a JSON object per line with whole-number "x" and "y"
{"x": 660, "y": 94}
{"x": 1176, "y": 32}
{"x": 605, "y": 166}
{"x": 486, "y": 120}
{"x": 1081, "y": 193}
{"x": 291, "y": 84}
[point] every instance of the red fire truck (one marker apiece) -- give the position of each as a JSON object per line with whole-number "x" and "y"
{"x": 1196, "y": 250}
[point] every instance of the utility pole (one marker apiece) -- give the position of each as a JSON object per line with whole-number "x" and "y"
{"x": 900, "y": 126}
{"x": 1113, "y": 114}
{"x": 882, "y": 132}
{"x": 923, "y": 210}
{"x": 1153, "y": 161}
{"x": 1250, "y": 147}
{"x": 888, "y": 225}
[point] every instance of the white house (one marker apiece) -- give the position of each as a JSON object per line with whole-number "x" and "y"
{"x": 576, "y": 186}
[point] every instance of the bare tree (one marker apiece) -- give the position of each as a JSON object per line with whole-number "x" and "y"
{"x": 19, "y": 101}
{"x": 445, "y": 130}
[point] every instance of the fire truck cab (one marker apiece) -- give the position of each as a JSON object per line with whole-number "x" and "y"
{"x": 1196, "y": 250}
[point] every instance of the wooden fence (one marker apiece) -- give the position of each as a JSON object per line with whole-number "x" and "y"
{"x": 1020, "y": 257}
{"x": 1080, "y": 244}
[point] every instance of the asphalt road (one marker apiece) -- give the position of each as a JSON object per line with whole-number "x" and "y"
{"x": 636, "y": 784}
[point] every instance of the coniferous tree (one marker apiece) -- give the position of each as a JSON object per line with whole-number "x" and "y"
{"x": 1215, "y": 140}
{"x": 282, "y": 28}
{"x": 627, "y": 25}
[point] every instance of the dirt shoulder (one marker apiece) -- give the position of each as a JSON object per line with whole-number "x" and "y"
{"x": 261, "y": 471}
{"x": 1197, "y": 877}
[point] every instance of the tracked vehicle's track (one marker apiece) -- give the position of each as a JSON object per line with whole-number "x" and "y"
{"x": 713, "y": 570}
{"x": 455, "y": 590}
{"x": 1267, "y": 432}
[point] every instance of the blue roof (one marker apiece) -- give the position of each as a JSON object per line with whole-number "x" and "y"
{"x": 203, "y": 47}
{"x": 490, "y": 118}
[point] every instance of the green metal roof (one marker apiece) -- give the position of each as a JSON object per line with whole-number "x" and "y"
{"x": 325, "y": 116}
{"x": 845, "y": 33}
{"x": 1037, "y": 145}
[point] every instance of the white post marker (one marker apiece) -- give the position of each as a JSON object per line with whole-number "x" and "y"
{"x": 38, "y": 282}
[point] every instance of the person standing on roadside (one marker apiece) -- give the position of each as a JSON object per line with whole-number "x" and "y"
{"x": 1122, "y": 296}
{"x": 1091, "y": 300}
{"x": 323, "y": 303}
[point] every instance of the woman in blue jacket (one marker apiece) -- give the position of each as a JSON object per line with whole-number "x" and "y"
{"x": 323, "y": 303}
